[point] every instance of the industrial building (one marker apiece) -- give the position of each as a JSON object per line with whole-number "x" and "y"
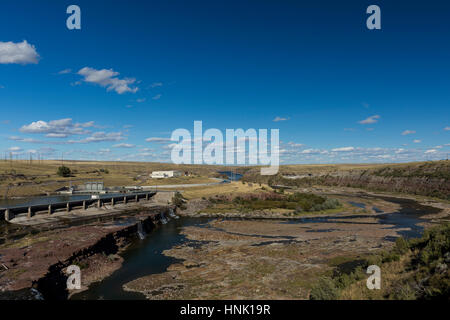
{"x": 165, "y": 174}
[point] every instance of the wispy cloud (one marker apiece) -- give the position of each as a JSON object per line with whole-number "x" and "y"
{"x": 108, "y": 79}
{"x": 447, "y": 128}
{"x": 157, "y": 139}
{"x": 65, "y": 71}
{"x": 311, "y": 151}
{"x": 407, "y": 132}
{"x": 417, "y": 141}
{"x": 156, "y": 84}
{"x": 277, "y": 119}
{"x": 371, "y": 119}
{"x": 124, "y": 145}
{"x": 18, "y": 53}
{"x": 61, "y": 128}
{"x": 343, "y": 149}
{"x": 95, "y": 137}
{"x": 295, "y": 145}
{"x": 100, "y": 137}
{"x": 65, "y": 128}
{"x": 157, "y": 97}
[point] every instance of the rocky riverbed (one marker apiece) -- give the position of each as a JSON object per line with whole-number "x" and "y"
{"x": 244, "y": 257}
{"x": 38, "y": 258}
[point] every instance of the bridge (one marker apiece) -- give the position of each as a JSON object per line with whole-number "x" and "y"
{"x": 31, "y": 210}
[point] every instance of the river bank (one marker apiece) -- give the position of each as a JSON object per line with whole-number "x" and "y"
{"x": 237, "y": 257}
{"x": 263, "y": 256}
{"x": 37, "y": 258}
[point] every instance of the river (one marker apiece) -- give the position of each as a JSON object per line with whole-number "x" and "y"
{"x": 142, "y": 258}
{"x": 145, "y": 257}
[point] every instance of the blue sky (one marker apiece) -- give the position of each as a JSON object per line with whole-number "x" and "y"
{"x": 137, "y": 70}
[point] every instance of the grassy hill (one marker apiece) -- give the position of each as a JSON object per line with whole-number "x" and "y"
{"x": 423, "y": 178}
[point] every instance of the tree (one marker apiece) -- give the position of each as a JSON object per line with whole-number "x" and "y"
{"x": 64, "y": 171}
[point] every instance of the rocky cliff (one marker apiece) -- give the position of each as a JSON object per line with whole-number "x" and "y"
{"x": 428, "y": 179}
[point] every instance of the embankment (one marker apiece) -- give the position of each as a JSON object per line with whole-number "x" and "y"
{"x": 430, "y": 179}
{"x": 39, "y": 261}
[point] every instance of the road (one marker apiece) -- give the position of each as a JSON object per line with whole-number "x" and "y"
{"x": 168, "y": 186}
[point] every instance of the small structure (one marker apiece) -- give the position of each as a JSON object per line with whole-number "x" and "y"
{"x": 65, "y": 190}
{"x": 93, "y": 186}
{"x": 165, "y": 174}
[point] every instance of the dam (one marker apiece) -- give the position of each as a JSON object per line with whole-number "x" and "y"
{"x": 21, "y": 213}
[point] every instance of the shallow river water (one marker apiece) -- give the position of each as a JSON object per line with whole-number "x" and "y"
{"x": 145, "y": 257}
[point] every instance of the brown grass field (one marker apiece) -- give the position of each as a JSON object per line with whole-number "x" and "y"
{"x": 25, "y": 178}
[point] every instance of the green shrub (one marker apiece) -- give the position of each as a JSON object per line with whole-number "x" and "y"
{"x": 178, "y": 200}
{"x": 325, "y": 289}
{"x": 64, "y": 171}
{"x": 401, "y": 245}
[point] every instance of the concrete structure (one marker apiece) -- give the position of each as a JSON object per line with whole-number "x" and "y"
{"x": 68, "y": 206}
{"x": 94, "y": 186}
{"x": 165, "y": 174}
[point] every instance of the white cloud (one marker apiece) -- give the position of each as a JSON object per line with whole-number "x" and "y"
{"x": 64, "y": 128}
{"x": 140, "y": 100}
{"x": 406, "y": 132}
{"x": 100, "y": 137}
{"x": 169, "y": 146}
{"x": 295, "y": 145}
{"x": 371, "y": 119}
{"x": 431, "y": 151}
{"x": 19, "y": 53}
{"x": 277, "y": 119}
{"x": 61, "y": 128}
{"x": 157, "y": 97}
{"x": 124, "y": 145}
{"x": 447, "y": 128}
{"x": 15, "y": 149}
{"x": 107, "y": 78}
{"x": 56, "y": 135}
{"x": 417, "y": 141}
{"x": 156, "y": 139}
{"x": 311, "y": 151}
{"x": 343, "y": 149}
{"x": 65, "y": 71}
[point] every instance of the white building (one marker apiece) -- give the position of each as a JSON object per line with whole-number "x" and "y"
{"x": 165, "y": 174}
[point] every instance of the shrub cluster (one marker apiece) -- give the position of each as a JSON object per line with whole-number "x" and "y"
{"x": 430, "y": 279}
{"x": 64, "y": 171}
{"x": 269, "y": 200}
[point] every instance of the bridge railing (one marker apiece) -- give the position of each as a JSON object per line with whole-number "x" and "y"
{"x": 31, "y": 210}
